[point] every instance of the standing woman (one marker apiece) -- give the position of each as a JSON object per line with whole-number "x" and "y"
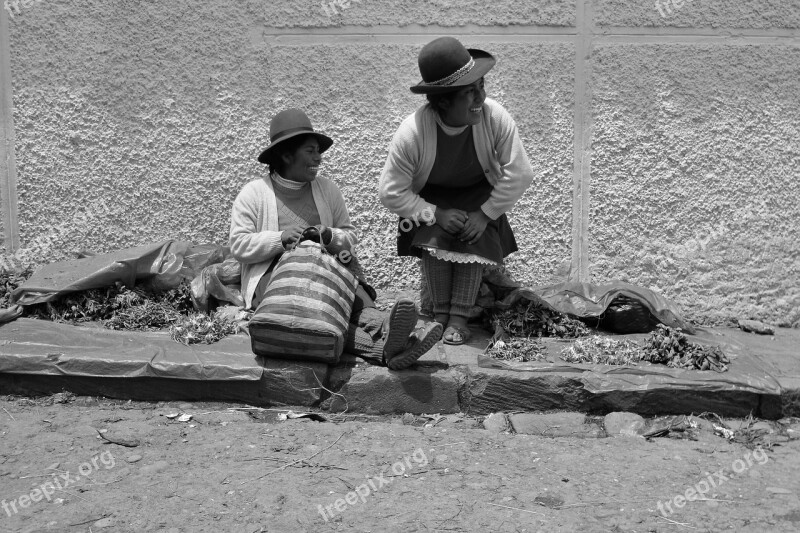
{"x": 460, "y": 157}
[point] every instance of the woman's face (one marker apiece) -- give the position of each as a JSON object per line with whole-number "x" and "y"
{"x": 465, "y": 106}
{"x": 303, "y": 164}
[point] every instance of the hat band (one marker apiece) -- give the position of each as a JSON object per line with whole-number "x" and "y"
{"x": 284, "y": 133}
{"x": 455, "y": 76}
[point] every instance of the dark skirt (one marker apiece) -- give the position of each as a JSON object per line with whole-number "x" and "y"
{"x": 496, "y": 242}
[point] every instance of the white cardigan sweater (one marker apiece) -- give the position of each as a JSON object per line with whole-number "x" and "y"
{"x": 255, "y": 237}
{"x": 413, "y": 152}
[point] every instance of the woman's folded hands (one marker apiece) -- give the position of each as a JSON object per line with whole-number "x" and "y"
{"x": 467, "y": 226}
{"x": 474, "y": 226}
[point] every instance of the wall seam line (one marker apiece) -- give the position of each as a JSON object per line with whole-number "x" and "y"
{"x": 582, "y": 135}
{"x": 8, "y": 171}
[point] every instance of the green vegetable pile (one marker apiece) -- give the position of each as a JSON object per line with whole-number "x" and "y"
{"x": 202, "y": 328}
{"x": 121, "y": 308}
{"x": 518, "y": 349}
{"x": 10, "y": 280}
{"x": 604, "y": 351}
{"x": 118, "y": 307}
{"x": 671, "y": 347}
{"x": 666, "y": 346}
{"x": 528, "y": 319}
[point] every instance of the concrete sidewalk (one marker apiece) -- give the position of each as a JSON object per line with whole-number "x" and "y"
{"x": 38, "y": 357}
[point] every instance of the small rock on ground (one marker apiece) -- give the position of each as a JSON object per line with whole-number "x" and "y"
{"x": 622, "y": 423}
{"x": 555, "y": 425}
{"x": 755, "y": 326}
{"x": 496, "y": 422}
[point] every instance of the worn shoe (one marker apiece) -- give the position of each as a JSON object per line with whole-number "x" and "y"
{"x": 422, "y": 340}
{"x": 402, "y": 319}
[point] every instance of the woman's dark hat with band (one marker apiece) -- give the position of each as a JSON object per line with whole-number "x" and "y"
{"x": 291, "y": 123}
{"x": 446, "y": 66}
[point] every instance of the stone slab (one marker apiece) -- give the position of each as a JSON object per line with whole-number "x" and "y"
{"x": 447, "y": 380}
{"x": 292, "y": 382}
{"x": 378, "y": 390}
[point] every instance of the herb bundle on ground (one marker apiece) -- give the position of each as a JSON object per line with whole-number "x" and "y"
{"x": 670, "y": 346}
{"x": 528, "y": 319}
{"x": 118, "y": 307}
{"x": 518, "y": 349}
{"x": 604, "y": 351}
{"x": 10, "y": 279}
{"x": 667, "y": 346}
{"x": 202, "y": 328}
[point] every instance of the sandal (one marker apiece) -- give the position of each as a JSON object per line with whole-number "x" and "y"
{"x": 451, "y": 332}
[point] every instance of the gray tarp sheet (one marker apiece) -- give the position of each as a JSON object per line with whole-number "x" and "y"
{"x": 590, "y": 300}
{"x": 30, "y": 346}
{"x": 165, "y": 263}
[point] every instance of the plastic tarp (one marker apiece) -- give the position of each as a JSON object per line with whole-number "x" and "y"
{"x": 164, "y": 265}
{"x": 590, "y": 300}
{"x": 41, "y": 347}
{"x": 94, "y": 272}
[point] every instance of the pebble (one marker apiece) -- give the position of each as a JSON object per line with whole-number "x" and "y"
{"x": 135, "y": 458}
{"x": 153, "y": 468}
{"x": 496, "y": 422}
{"x": 104, "y": 522}
{"x": 778, "y": 490}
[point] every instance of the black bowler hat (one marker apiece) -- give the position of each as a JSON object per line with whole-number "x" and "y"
{"x": 445, "y": 66}
{"x": 291, "y": 123}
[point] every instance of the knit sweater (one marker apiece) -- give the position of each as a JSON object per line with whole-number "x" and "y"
{"x": 413, "y": 152}
{"x": 255, "y": 236}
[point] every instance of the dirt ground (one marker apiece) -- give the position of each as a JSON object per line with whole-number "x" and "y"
{"x": 247, "y": 471}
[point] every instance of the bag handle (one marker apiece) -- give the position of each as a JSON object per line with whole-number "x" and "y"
{"x": 300, "y": 239}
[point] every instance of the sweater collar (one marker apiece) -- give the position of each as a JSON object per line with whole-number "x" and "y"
{"x": 448, "y": 130}
{"x": 287, "y": 184}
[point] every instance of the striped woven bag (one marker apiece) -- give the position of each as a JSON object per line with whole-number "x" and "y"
{"x": 306, "y": 308}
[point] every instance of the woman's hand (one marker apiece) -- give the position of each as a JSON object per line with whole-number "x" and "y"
{"x": 325, "y": 233}
{"x": 474, "y": 227}
{"x": 290, "y": 235}
{"x": 450, "y": 220}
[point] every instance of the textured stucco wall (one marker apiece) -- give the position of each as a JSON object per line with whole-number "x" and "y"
{"x": 446, "y": 13}
{"x": 740, "y": 14}
{"x": 140, "y": 120}
{"x": 695, "y": 174}
{"x": 141, "y": 127}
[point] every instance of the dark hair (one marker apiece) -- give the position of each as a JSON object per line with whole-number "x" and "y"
{"x": 436, "y": 99}
{"x": 289, "y": 146}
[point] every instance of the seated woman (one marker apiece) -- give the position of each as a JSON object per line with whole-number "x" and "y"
{"x": 274, "y": 211}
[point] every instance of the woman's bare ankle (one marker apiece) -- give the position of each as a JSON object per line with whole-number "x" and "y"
{"x": 442, "y": 318}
